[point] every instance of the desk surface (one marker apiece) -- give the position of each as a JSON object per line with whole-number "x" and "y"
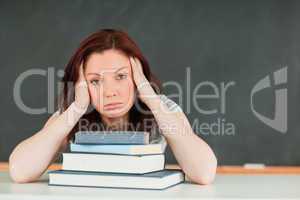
{"x": 220, "y": 169}
{"x": 225, "y": 187}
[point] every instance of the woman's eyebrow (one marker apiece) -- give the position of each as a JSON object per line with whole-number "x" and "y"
{"x": 121, "y": 68}
{"x": 99, "y": 74}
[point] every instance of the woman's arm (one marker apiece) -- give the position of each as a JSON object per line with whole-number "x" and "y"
{"x": 194, "y": 156}
{"x": 31, "y": 157}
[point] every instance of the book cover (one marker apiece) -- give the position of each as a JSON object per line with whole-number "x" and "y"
{"x": 112, "y": 137}
{"x": 155, "y": 180}
{"x": 155, "y": 147}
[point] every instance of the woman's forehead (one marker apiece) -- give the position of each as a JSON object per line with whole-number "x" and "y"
{"x": 106, "y": 71}
{"x": 107, "y": 61}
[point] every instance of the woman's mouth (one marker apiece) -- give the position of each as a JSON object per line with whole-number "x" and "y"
{"x": 112, "y": 106}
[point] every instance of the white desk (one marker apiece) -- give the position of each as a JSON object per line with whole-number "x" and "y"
{"x": 224, "y": 187}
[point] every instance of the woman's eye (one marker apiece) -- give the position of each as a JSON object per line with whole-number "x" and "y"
{"x": 94, "y": 82}
{"x": 121, "y": 76}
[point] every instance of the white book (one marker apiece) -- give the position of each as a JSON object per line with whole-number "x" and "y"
{"x": 155, "y": 180}
{"x": 113, "y": 163}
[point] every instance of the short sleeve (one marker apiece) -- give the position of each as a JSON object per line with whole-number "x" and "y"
{"x": 155, "y": 133}
{"x": 56, "y": 113}
{"x": 172, "y": 106}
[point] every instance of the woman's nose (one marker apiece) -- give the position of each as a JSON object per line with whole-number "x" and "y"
{"x": 109, "y": 93}
{"x": 109, "y": 88}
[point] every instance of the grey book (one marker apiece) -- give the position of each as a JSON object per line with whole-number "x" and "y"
{"x": 112, "y": 137}
{"x": 155, "y": 180}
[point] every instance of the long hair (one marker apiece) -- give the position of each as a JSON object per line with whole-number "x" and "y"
{"x": 98, "y": 42}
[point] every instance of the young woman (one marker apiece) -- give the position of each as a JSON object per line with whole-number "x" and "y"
{"x": 109, "y": 68}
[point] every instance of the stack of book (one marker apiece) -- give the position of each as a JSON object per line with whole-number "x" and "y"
{"x": 118, "y": 159}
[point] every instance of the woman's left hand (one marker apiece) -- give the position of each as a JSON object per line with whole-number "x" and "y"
{"x": 145, "y": 91}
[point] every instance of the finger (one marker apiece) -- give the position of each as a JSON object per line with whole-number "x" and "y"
{"x": 81, "y": 84}
{"x": 137, "y": 61}
{"x": 138, "y": 65}
{"x": 132, "y": 62}
{"x": 81, "y": 80}
{"x": 81, "y": 73}
{"x": 133, "y": 66}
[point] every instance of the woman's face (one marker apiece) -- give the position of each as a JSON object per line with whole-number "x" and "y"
{"x": 109, "y": 79}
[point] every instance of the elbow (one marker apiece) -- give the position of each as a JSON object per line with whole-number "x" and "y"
{"x": 206, "y": 177}
{"x": 16, "y": 173}
{"x": 18, "y": 179}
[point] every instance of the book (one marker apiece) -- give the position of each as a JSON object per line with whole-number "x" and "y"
{"x": 157, "y": 146}
{"x": 113, "y": 163}
{"x": 112, "y": 137}
{"x": 155, "y": 180}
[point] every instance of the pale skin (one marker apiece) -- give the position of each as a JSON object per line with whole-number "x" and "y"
{"x": 99, "y": 84}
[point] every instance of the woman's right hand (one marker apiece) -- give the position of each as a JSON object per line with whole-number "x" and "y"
{"x": 82, "y": 96}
